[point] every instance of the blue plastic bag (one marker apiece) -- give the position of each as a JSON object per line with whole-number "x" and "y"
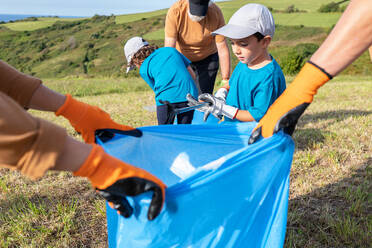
{"x": 221, "y": 192}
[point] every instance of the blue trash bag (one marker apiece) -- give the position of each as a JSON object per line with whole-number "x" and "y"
{"x": 221, "y": 192}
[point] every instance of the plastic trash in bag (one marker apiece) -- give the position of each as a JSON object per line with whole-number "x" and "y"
{"x": 221, "y": 192}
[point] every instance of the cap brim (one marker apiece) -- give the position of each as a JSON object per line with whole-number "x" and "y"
{"x": 197, "y": 9}
{"x": 234, "y": 31}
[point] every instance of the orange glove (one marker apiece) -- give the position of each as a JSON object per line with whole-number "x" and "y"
{"x": 115, "y": 180}
{"x": 86, "y": 119}
{"x": 287, "y": 109}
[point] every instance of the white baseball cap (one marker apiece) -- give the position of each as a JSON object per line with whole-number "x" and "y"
{"x": 132, "y": 46}
{"x": 248, "y": 20}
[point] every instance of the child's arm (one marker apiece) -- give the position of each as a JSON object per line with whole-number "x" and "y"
{"x": 244, "y": 115}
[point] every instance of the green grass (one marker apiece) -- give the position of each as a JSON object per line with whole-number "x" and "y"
{"x": 307, "y": 19}
{"x": 311, "y": 18}
{"x": 42, "y": 22}
{"x": 120, "y": 19}
{"x": 329, "y": 202}
{"x": 310, "y": 6}
{"x": 155, "y": 35}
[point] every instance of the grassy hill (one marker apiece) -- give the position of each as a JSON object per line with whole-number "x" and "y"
{"x": 53, "y": 47}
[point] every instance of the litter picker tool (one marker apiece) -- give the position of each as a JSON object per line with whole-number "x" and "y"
{"x": 172, "y": 111}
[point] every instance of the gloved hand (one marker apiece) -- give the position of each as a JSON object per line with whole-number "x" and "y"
{"x": 221, "y": 93}
{"x": 86, "y": 119}
{"x": 217, "y": 107}
{"x": 114, "y": 180}
{"x": 287, "y": 109}
{"x": 191, "y": 102}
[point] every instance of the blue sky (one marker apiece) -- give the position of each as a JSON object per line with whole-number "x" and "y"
{"x": 81, "y": 7}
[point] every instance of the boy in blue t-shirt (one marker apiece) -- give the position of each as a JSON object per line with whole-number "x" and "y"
{"x": 257, "y": 81}
{"x": 169, "y": 75}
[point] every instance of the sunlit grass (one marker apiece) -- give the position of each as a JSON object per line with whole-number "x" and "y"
{"x": 120, "y": 19}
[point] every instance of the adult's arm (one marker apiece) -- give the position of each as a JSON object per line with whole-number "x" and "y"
{"x": 224, "y": 58}
{"x": 351, "y": 36}
{"x": 192, "y": 73}
{"x": 170, "y": 29}
{"x": 170, "y": 42}
{"x": 30, "y": 93}
{"x": 33, "y": 145}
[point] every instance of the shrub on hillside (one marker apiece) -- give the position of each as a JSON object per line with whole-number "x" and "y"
{"x": 296, "y": 57}
{"x": 332, "y": 7}
{"x": 290, "y": 9}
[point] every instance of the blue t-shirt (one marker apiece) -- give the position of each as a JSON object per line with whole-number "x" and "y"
{"x": 255, "y": 90}
{"x": 165, "y": 70}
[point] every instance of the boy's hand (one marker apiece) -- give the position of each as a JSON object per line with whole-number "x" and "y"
{"x": 221, "y": 94}
{"x": 217, "y": 107}
{"x": 191, "y": 102}
{"x": 287, "y": 109}
{"x": 115, "y": 180}
{"x": 86, "y": 119}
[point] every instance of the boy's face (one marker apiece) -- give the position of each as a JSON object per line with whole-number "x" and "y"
{"x": 249, "y": 50}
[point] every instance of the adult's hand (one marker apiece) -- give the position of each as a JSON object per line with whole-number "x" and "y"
{"x": 115, "y": 180}
{"x": 86, "y": 119}
{"x": 287, "y": 109}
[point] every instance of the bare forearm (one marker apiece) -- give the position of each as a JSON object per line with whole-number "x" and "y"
{"x": 244, "y": 115}
{"x": 170, "y": 42}
{"x": 46, "y": 99}
{"x": 73, "y": 155}
{"x": 351, "y": 36}
{"x": 224, "y": 58}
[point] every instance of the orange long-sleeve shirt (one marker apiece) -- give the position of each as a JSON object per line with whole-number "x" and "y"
{"x": 194, "y": 39}
{"x": 27, "y": 143}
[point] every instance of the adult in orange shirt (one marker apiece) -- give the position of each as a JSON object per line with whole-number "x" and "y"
{"x": 33, "y": 145}
{"x": 351, "y": 36}
{"x": 188, "y": 28}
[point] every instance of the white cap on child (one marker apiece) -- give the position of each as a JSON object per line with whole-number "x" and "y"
{"x": 132, "y": 46}
{"x": 248, "y": 20}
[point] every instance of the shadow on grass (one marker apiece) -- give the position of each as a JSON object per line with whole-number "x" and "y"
{"x": 337, "y": 215}
{"x": 308, "y": 137}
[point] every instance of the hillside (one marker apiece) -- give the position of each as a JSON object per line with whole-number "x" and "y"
{"x": 94, "y": 46}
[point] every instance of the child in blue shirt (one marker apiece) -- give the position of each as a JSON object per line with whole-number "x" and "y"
{"x": 257, "y": 81}
{"x": 169, "y": 75}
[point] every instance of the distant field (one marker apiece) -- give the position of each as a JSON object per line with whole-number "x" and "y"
{"x": 42, "y": 22}
{"x": 311, "y": 6}
{"x": 120, "y": 19}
